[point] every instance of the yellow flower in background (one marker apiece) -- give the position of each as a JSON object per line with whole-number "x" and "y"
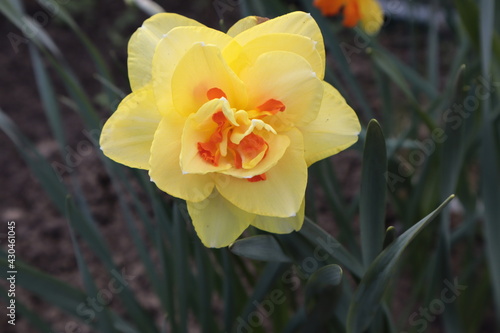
{"x": 367, "y": 12}
{"x": 230, "y": 122}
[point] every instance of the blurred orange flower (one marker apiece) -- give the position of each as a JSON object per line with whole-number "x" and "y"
{"x": 367, "y": 12}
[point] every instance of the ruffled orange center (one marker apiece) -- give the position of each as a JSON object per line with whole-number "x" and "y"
{"x": 237, "y": 139}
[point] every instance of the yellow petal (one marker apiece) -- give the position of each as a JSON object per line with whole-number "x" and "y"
{"x": 283, "y": 225}
{"x": 281, "y": 194}
{"x": 238, "y": 57}
{"x": 243, "y": 24}
{"x": 303, "y": 46}
{"x": 170, "y": 51}
{"x": 143, "y": 42}
{"x": 288, "y": 78}
{"x": 128, "y": 134}
{"x": 372, "y": 16}
{"x": 217, "y": 222}
{"x": 165, "y": 168}
{"x": 336, "y": 127}
{"x": 299, "y": 23}
{"x": 201, "y": 69}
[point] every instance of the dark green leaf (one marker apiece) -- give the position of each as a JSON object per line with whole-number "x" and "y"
{"x": 489, "y": 158}
{"x": 373, "y": 193}
{"x": 326, "y": 242}
{"x": 321, "y": 295}
{"x": 390, "y": 236}
{"x": 261, "y": 247}
{"x": 104, "y": 320}
{"x": 369, "y": 293}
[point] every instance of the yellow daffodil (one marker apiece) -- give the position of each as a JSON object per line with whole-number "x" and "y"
{"x": 230, "y": 122}
{"x": 367, "y": 12}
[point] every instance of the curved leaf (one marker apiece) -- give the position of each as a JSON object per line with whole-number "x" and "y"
{"x": 261, "y": 247}
{"x": 369, "y": 293}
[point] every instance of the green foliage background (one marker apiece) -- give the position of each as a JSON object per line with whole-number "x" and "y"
{"x": 438, "y": 121}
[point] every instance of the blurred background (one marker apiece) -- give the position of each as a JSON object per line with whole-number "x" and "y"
{"x": 63, "y": 66}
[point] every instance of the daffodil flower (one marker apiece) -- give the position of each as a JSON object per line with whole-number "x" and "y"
{"x": 367, "y": 12}
{"x": 230, "y": 122}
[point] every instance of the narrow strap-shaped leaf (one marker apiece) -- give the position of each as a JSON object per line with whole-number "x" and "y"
{"x": 489, "y": 158}
{"x": 271, "y": 273}
{"x": 369, "y": 293}
{"x": 57, "y": 293}
{"x": 104, "y": 320}
{"x": 470, "y": 15}
{"x": 14, "y": 12}
{"x": 433, "y": 45}
{"x": 204, "y": 284}
{"x": 48, "y": 96}
{"x": 38, "y": 165}
{"x": 324, "y": 172}
{"x": 100, "y": 64}
{"x": 407, "y": 72}
{"x": 328, "y": 243}
{"x": 180, "y": 268}
{"x": 389, "y": 67}
{"x": 373, "y": 193}
{"x": 228, "y": 290}
{"x": 450, "y": 164}
{"x": 372, "y": 200}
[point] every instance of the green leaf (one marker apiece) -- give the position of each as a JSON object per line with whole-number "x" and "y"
{"x": 104, "y": 318}
{"x": 40, "y": 167}
{"x": 323, "y": 278}
{"x": 390, "y": 236}
{"x": 46, "y": 286}
{"x": 261, "y": 247}
{"x": 328, "y": 243}
{"x": 433, "y": 45}
{"x": 56, "y": 292}
{"x": 86, "y": 228}
{"x": 324, "y": 171}
{"x": 373, "y": 198}
{"x": 180, "y": 268}
{"x": 489, "y": 159}
{"x": 96, "y": 57}
{"x": 390, "y": 68}
{"x": 267, "y": 280}
{"x": 321, "y": 295}
{"x": 205, "y": 283}
{"x": 406, "y": 71}
{"x": 33, "y": 30}
{"x": 369, "y": 293}
{"x": 373, "y": 193}
{"x": 470, "y": 16}
{"x": 48, "y": 97}
{"x": 450, "y": 165}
